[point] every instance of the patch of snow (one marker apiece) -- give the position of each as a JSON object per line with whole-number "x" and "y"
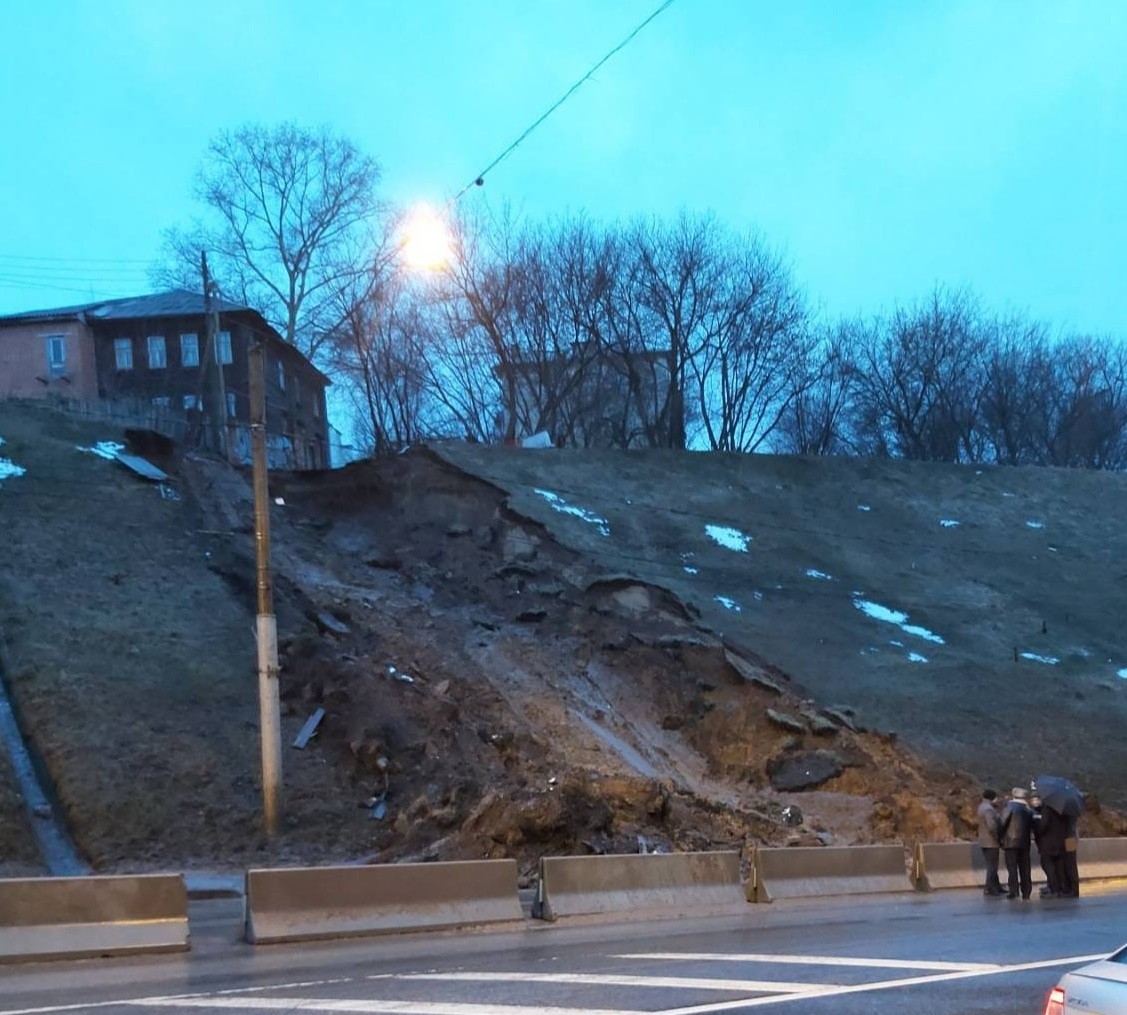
{"x": 1122, "y": 674}
{"x": 1035, "y": 658}
{"x": 949, "y": 523}
{"x": 103, "y": 449}
{"x": 915, "y": 657}
{"x": 9, "y": 469}
{"x": 728, "y": 604}
{"x": 887, "y": 616}
{"x": 898, "y": 644}
{"x": 1034, "y": 525}
{"x": 561, "y": 505}
{"x": 864, "y": 507}
{"x": 691, "y": 570}
{"x": 1008, "y": 495}
{"x": 1, "y": 442}
{"x": 813, "y": 572}
{"x": 1052, "y": 549}
{"x": 978, "y": 472}
{"x": 729, "y": 538}
{"x": 758, "y": 596}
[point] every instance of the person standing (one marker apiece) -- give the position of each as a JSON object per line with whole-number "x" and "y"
{"x": 1016, "y": 829}
{"x": 1049, "y": 830}
{"x": 1069, "y": 867}
{"x": 989, "y": 827}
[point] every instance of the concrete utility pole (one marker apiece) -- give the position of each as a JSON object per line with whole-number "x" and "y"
{"x": 215, "y": 399}
{"x": 269, "y": 708}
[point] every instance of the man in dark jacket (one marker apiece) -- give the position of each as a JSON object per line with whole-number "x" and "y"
{"x": 1049, "y": 832}
{"x": 1071, "y": 887}
{"x": 1016, "y": 829}
{"x": 988, "y": 827}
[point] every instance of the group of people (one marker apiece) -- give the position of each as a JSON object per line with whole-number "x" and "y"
{"x": 1012, "y": 830}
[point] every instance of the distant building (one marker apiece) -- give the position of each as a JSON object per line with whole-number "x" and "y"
{"x": 143, "y": 356}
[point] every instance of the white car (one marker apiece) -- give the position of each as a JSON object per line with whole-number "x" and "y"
{"x": 1098, "y": 989}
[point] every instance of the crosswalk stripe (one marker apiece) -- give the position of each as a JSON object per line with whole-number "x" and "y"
{"x": 811, "y": 960}
{"x": 863, "y": 988}
{"x": 373, "y": 1006}
{"x": 613, "y": 980}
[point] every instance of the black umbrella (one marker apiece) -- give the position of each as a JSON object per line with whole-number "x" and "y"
{"x": 1061, "y": 795}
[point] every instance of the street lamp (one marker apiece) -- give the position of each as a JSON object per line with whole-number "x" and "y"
{"x": 426, "y": 242}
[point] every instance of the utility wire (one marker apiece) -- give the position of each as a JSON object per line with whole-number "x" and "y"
{"x": 479, "y": 180}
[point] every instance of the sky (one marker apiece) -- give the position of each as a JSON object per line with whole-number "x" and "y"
{"x": 883, "y": 147}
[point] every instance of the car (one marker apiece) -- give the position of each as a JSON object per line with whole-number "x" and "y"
{"x": 1096, "y": 989}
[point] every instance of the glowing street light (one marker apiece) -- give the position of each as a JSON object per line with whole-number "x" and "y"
{"x": 426, "y": 242}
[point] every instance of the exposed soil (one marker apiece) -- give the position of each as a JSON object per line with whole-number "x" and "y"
{"x": 503, "y": 689}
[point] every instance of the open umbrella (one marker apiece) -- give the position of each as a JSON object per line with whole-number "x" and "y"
{"x": 1061, "y": 795}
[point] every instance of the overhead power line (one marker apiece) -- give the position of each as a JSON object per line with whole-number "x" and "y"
{"x": 478, "y": 180}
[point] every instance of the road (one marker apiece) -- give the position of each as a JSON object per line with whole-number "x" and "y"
{"x": 955, "y": 953}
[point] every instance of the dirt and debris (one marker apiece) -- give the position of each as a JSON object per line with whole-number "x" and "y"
{"x": 487, "y": 690}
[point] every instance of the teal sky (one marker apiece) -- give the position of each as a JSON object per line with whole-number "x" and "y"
{"x": 884, "y": 146}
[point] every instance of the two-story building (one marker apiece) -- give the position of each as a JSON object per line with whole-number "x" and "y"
{"x": 150, "y": 352}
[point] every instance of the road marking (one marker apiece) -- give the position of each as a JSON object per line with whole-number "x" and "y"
{"x": 377, "y": 1007}
{"x": 812, "y": 960}
{"x": 861, "y": 988}
{"x": 95, "y": 1005}
{"x": 612, "y": 980}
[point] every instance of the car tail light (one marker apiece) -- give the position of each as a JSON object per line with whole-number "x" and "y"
{"x": 1055, "y": 1004}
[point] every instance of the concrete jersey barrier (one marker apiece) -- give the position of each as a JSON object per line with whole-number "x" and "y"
{"x": 808, "y": 871}
{"x": 940, "y": 865}
{"x": 303, "y": 903}
{"x": 54, "y": 918}
{"x": 1101, "y": 858}
{"x": 656, "y": 885}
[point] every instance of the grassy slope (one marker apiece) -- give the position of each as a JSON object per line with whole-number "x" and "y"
{"x": 986, "y": 586}
{"x": 134, "y": 666}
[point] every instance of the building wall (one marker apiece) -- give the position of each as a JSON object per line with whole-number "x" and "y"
{"x": 295, "y": 409}
{"x": 24, "y": 368}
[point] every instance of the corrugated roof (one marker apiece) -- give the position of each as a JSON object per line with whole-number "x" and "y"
{"x": 173, "y": 303}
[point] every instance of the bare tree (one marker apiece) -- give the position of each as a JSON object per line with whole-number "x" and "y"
{"x": 919, "y": 381}
{"x": 755, "y": 357}
{"x": 816, "y": 420}
{"x": 288, "y": 217}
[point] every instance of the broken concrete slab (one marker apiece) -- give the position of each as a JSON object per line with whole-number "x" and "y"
{"x": 821, "y": 726}
{"x": 751, "y": 674}
{"x": 786, "y": 721}
{"x": 801, "y": 770}
{"x": 327, "y": 622}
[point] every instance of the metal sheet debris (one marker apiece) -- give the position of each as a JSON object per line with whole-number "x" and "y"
{"x": 144, "y": 469}
{"x": 309, "y": 729}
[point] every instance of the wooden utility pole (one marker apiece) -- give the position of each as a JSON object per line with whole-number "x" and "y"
{"x": 215, "y": 400}
{"x": 269, "y": 708}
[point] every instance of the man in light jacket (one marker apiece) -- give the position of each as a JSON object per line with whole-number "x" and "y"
{"x": 989, "y": 827}
{"x": 1016, "y": 831}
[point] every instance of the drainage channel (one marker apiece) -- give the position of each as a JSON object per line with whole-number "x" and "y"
{"x": 55, "y": 845}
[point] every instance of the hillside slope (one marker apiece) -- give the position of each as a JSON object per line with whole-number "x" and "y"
{"x": 990, "y": 563}
{"x": 518, "y": 653}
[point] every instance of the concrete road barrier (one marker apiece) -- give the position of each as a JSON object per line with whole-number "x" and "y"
{"x": 940, "y": 865}
{"x": 55, "y": 918}
{"x": 1102, "y": 858}
{"x": 656, "y": 885}
{"x": 303, "y": 903}
{"x": 809, "y": 871}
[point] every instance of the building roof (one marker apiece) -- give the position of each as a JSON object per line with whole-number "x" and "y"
{"x": 172, "y": 303}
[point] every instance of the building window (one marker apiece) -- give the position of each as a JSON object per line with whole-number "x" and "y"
{"x": 316, "y": 405}
{"x": 162, "y": 402}
{"x": 189, "y": 350}
{"x": 193, "y": 402}
{"x": 223, "y": 347}
{"x": 123, "y": 353}
{"x": 230, "y": 403}
{"x": 158, "y": 360}
{"x": 281, "y": 375}
{"x": 56, "y": 353}
{"x": 296, "y": 389}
